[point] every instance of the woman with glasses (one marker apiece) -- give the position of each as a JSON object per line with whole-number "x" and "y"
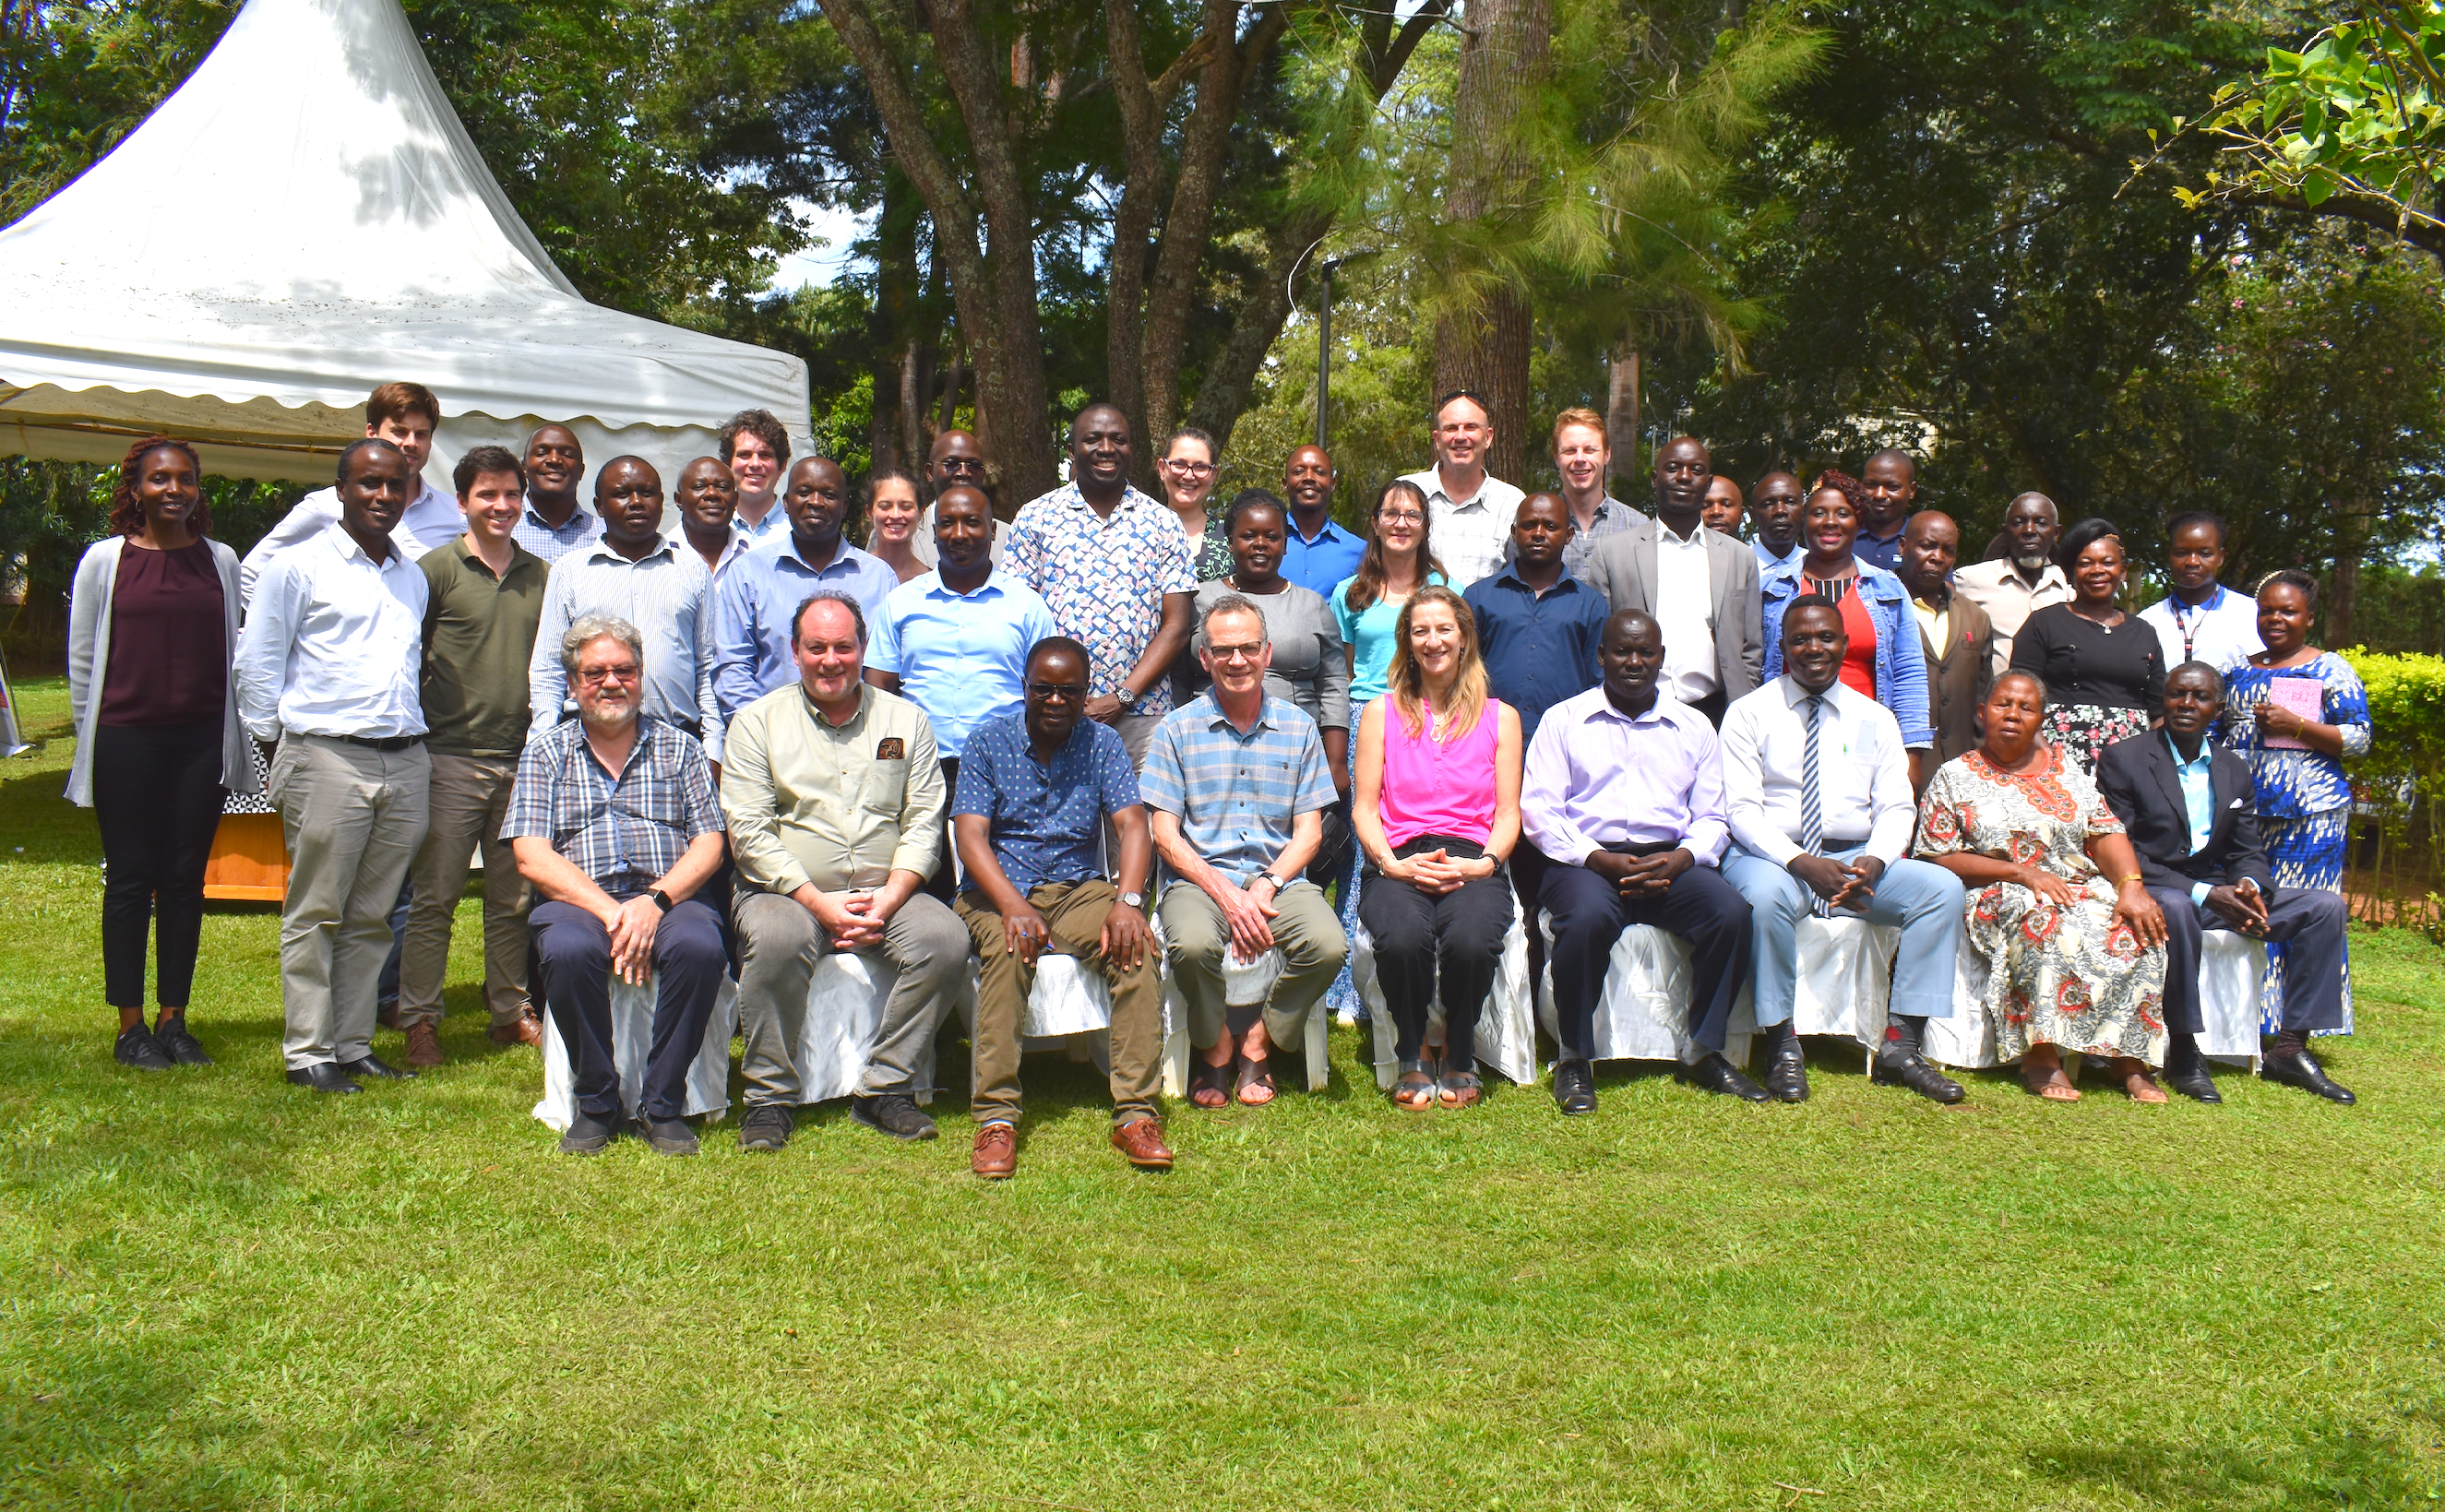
{"x": 1185, "y": 472}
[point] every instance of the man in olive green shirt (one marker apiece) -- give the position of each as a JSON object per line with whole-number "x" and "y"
{"x": 834, "y": 795}
{"x": 483, "y": 603}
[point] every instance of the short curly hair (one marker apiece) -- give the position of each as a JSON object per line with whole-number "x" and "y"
{"x": 127, "y": 510}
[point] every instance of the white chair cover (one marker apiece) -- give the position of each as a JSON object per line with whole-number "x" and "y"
{"x": 1644, "y": 1013}
{"x": 632, "y": 1041}
{"x": 1506, "y": 1027}
{"x": 2230, "y": 967}
{"x": 1843, "y": 982}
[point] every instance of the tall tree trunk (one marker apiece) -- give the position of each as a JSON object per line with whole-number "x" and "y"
{"x": 896, "y": 289}
{"x": 1125, "y": 264}
{"x": 1501, "y": 66}
{"x": 1621, "y": 417}
{"x": 915, "y": 438}
{"x": 2344, "y": 589}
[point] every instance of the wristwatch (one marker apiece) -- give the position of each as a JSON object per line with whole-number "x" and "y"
{"x": 1128, "y": 696}
{"x": 1136, "y": 899}
{"x": 662, "y": 899}
{"x": 1278, "y": 883}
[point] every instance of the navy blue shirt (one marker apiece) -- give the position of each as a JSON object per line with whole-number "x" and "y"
{"x": 1537, "y": 650}
{"x": 1320, "y": 565}
{"x": 1046, "y": 819}
{"x": 1886, "y": 553}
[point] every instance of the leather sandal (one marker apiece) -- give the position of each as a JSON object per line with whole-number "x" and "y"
{"x": 2051, "y": 1083}
{"x": 2138, "y": 1082}
{"x": 1255, "y": 1076}
{"x": 1209, "y": 1079}
{"x": 1415, "y": 1090}
{"x": 1461, "y": 1089}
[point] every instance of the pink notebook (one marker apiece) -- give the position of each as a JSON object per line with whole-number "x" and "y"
{"x": 2305, "y": 697}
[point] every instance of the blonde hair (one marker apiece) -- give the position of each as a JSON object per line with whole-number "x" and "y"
{"x": 1405, "y": 683}
{"x": 1579, "y": 417}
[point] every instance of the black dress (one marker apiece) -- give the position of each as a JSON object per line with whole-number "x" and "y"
{"x": 2103, "y": 683}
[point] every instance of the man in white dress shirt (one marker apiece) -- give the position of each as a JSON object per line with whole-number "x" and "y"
{"x": 1820, "y": 805}
{"x": 327, "y": 666}
{"x": 1468, "y": 515}
{"x": 2205, "y": 619}
{"x": 1701, "y": 585}
{"x": 403, "y": 415}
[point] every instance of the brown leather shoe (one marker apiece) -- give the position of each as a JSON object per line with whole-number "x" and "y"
{"x": 525, "y": 1029}
{"x": 423, "y": 1045}
{"x": 997, "y": 1153}
{"x": 1141, "y": 1142}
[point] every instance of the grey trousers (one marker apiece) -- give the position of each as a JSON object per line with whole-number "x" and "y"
{"x": 353, "y": 817}
{"x": 780, "y": 944}
{"x": 1313, "y": 948}
{"x": 471, "y": 802}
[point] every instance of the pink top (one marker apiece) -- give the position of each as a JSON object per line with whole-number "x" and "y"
{"x": 1432, "y": 786}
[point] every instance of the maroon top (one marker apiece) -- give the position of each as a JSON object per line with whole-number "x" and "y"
{"x": 169, "y": 639}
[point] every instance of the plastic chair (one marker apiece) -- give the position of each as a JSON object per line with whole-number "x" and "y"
{"x": 1644, "y": 1012}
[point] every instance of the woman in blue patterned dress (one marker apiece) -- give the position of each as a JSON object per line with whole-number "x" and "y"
{"x": 2305, "y": 801}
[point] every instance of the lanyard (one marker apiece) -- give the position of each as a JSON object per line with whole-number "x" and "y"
{"x": 2186, "y": 625}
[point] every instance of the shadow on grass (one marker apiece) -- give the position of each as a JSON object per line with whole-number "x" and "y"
{"x": 2339, "y": 1466}
{"x": 44, "y": 828}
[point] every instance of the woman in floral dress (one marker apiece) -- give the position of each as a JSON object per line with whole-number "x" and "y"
{"x": 2304, "y": 799}
{"x": 2075, "y": 957}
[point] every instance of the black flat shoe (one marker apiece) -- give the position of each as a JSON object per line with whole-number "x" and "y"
{"x": 181, "y": 1045}
{"x": 369, "y": 1066}
{"x": 590, "y": 1135}
{"x": 1575, "y": 1087}
{"x": 137, "y": 1050}
{"x": 1718, "y": 1076}
{"x": 670, "y": 1136}
{"x": 1919, "y": 1076}
{"x": 2301, "y": 1070}
{"x": 2196, "y": 1083}
{"x": 323, "y": 1077}
{"x": 894, "y": 1114}
{"x": 1786, "y": 1077}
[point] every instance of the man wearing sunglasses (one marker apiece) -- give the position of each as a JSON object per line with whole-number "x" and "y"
{"x": 1034, "y": 796}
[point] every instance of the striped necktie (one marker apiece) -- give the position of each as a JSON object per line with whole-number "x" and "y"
{"x": 1812, "y": 808}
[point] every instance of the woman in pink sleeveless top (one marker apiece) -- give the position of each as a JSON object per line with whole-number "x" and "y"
{"x": 1437, "y": 811}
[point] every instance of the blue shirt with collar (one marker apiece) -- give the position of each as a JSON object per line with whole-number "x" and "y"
{"x": 552, "y": 542}
{"x": 961, "y": 657}
{"x": 2197, "y": 780}
{"x": 1884, "y": 551}
{"x": 1539, "y": 648}
{"x": 1320, "y": 563}
{"x": 1768, "y": 559}
{"x": 1045, "y": 818}
{"x": 755, "y": 600}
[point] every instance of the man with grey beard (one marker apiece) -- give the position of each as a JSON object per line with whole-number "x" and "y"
{"x": 2012, "y": 587}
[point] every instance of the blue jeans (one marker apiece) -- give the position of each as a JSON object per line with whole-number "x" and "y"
{"x": 1923, "y": 898}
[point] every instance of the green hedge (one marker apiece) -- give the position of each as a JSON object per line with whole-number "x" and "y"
{"x": 2401, "y": 786}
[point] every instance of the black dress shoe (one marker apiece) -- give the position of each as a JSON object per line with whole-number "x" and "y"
{"x": 137, "y": 1050}
{"x": 1786, "y": 1076}
{"x": 1574, "y": 1087}
{"x": 1716, "y": 1074}
{"x": 1917, "y": 1074}
{"x": 182, "y": 1046}
{"x": 588, "y": 1135}
{"x": 323, "y": 1077}
{"x": 766, "y": 1127}
{"x": 2300, "y": 1068}
{"x": 368, "y": 1066}
{"x": 894, "y": 1114}
{"x": 670, "y": 1136}
{"x": 2196, "y": 1083}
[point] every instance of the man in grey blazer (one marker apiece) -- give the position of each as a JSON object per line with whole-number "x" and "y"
{"x": 1700, "y": 584}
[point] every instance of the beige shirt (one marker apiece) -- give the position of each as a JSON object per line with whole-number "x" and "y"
{"x": 1997, "y": 588}
{"x": 841, "y": 806}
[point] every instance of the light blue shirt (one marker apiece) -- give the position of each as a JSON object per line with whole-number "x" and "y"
{"x": 668, "y": 596}
{"x": 757, "y": 597}
{"x": 1768, "y": 561}
{"x": 552, "y": 542}
{"x": 775, "y": 521}
{"x": 961, "y": 657}
{"x": 2199, "y": 799}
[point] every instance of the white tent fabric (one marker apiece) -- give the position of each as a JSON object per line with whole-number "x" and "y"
{"x": 307, "y": 218}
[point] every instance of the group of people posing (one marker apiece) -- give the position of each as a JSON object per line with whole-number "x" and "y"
{"x": 728, "y": 749}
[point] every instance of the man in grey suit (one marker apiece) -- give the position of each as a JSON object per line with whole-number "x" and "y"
{"x": 1701, "y": 585}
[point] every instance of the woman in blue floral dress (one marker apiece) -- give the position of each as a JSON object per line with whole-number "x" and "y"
{"x": 2305, "y": 800}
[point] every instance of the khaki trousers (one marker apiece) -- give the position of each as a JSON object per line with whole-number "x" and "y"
{"x": 1074, "y": 916}
{"x": 1305, "y": 930}
{"x": 353, "y": 817}
{"x": 471, "y": 802}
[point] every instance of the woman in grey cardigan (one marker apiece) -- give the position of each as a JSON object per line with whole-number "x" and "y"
{"x": 152, "y": 628}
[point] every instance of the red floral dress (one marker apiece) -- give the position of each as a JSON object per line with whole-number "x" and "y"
{"x": 2053, "y": 974}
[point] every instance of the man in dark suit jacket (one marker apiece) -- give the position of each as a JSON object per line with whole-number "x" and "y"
{"x": 1650, "y": 567}
{"x": 2168, "y": 785}
{"x": 1960, "y": 669}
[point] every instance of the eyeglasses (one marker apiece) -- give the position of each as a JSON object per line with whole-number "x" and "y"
{"x": 1403, "y": 517}
{"x": 961, "y": 464}
{"x": 1247, "y": 652}
{"x": 1051, "y": 692}
{"x": 1193, "y": 469}
{"x": 594, "y": 677}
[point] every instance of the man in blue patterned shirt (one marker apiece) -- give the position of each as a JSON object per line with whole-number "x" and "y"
{"x": 1114, "y": 566}
{"x": 613, "y": 821}
{"x": 1035, "y": 790}
{"x": 1239, "y": 785}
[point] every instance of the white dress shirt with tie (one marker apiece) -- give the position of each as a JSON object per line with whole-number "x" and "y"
{"x": 1863, "y": 787}
{"x": 1685, "y": 606}
{"x": 333, "y": 644}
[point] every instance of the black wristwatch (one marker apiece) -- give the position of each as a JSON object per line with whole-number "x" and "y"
{"x": 662, "y": 899}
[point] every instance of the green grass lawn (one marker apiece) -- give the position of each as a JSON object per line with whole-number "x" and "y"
{"x": 219, "y": 1291}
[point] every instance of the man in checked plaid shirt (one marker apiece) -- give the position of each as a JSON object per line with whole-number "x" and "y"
{"x": 614, "y": 821}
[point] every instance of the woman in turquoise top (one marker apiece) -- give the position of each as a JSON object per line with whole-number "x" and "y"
{"x": 1368, "y": 604}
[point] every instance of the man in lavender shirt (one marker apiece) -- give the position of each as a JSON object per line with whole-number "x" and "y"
{"x": 1624, "y": 790}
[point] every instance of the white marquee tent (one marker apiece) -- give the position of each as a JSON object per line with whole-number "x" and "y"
{"x": 304, "y": 219}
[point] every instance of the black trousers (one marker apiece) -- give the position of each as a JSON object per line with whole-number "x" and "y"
{"x": 157, "y": 797}
{"x": 1588, "y": 915}
{"x": 2311, "y": 919}
{"x": 1419, "y": 936}
{"x": 572, "y": 973}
